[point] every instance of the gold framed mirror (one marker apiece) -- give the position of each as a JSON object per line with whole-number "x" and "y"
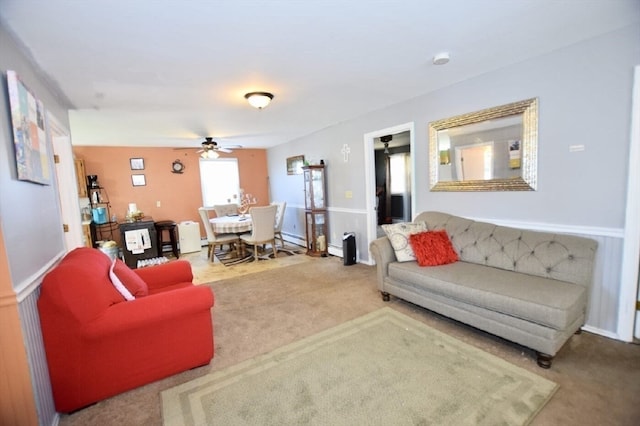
{"x": 494, "y": 149}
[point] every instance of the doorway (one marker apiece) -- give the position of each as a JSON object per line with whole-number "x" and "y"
{"x": 475, "y": 162}
{"x": 374, "y": 148}
{"x": 67, "y": 185}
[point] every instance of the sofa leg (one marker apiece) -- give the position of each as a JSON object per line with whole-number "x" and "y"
{"x": 578, "y": 331}
{"x": 544, "y": 360}
{"x": 385, "y": 296}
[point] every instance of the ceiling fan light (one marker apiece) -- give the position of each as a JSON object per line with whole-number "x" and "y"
{"x": 259, "y": 99}
{"x": 209, "y": 154}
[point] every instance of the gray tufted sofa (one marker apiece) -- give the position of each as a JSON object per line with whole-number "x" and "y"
{"x": 528, "y": 287}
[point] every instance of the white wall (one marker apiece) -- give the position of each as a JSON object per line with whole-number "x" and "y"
{"x": 29, "y": 212}
{"x": 584, "y": 94}
{"x": 30, "y": 218}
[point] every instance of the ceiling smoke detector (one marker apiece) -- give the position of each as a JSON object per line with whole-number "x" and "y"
{"x": 441, "y": 58}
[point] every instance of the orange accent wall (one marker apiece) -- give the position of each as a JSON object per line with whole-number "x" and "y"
{"x": 180, "y": 195}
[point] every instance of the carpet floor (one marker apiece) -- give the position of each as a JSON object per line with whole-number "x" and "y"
{"x": 260, "y": 311}
{"x": 382, "y": 368}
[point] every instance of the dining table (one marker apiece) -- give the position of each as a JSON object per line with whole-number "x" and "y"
{"x": 233, "y": 224}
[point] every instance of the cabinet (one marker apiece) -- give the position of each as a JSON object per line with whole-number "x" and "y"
{"x": 315, "y": 210}
{"x": 139, "y": 241}
{"x": 80, "y": 177}
{"x": 86, "y": 234}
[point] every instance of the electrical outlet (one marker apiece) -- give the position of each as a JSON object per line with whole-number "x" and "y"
{"x": 157, "y": 203}
{"x": 348, "y": 194}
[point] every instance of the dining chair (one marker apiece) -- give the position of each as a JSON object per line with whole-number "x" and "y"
{"x": 262, "y": 230}
{"x": 226, "y": 209}
{"x": 214, "y": 239}
{"x": 281, "y": 206}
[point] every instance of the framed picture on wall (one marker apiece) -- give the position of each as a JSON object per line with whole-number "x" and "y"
{"x": 29, "y": 133}
{"x": 136, "y": 163}
{"x": 294, "y": 165}
{"x": 514, "y": 154}
{"x": 138, "y": 180}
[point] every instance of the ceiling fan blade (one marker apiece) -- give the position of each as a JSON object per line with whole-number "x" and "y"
{"x": 225, "y": 150}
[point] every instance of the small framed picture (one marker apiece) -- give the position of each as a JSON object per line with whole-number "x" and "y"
{"x": 137, "y": 163}
{"x": 294, "y": 165}
{"x": 138, "y": 180}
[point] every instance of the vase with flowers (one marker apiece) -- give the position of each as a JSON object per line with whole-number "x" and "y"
{"x": 246, "y": 201}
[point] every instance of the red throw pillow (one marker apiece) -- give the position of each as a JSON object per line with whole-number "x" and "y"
{"x": 433, "y": 248}
{"x": 130, "y": 279}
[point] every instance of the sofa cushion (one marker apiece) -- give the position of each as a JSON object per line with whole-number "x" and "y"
{"x": 433, "y": 248}
{"x": 545, "y": 301}
{"x": 118, "y": 284}
{"x": 130, "y": 279}
{"x": 398, "y": 234}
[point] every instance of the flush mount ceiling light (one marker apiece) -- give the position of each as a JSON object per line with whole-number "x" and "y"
{"x": 259, "y": 99}
{"x": 441, "y": 58}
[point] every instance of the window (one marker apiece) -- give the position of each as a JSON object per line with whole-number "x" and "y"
{"x": 219, "y": 180}
{"x": 398, "y": 170}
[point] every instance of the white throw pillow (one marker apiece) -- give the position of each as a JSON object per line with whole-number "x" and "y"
{"x": 118, "y": 284}
{"x": 398, "y": 234}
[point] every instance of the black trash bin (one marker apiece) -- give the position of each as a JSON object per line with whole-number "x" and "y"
{"x": 349, "y": 248}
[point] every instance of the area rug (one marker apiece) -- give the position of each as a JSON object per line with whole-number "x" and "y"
{"x": 230, "y": 258}
{"x": 380, "y": 369}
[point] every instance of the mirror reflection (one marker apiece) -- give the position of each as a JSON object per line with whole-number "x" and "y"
{"x": 489, "y": 150}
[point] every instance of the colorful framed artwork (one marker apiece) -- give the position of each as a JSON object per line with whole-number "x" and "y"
{"x": 29, "y": 132}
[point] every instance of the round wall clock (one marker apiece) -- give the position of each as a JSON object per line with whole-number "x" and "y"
{"x": 177, "y": 167}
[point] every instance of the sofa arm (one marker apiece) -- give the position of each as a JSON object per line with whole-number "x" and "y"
{"x": 383, "y": 254}
{"x": 166, "y": 274}
{"x": 145, "y": 312}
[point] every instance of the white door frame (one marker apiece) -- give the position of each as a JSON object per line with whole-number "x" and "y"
{"x": 370, "y": 175}
{"x": 67, "y": 183}
{"x": 631, "y": 248}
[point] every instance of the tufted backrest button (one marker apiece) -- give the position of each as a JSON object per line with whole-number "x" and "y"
{"x": 571, "y": 257}
{"x": 548, "y": 270}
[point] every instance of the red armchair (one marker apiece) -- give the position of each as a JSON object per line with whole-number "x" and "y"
{"x": 98, "y": 344}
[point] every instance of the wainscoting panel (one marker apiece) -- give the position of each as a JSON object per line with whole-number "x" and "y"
{"x": 37, "y": 359}
{"x": 602, "y": 317}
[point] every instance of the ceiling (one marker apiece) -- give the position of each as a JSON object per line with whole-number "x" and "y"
{"x": 168, "y": 73}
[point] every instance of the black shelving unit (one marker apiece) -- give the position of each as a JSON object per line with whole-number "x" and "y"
{"x": 98, "y": 197}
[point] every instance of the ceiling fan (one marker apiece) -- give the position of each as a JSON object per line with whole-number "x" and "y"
{"x": 210, "y": 145}
{"x": 210, "y": 148}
